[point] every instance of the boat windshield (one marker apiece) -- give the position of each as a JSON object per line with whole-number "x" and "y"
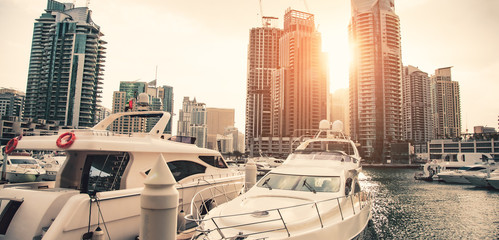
{"x": 300, "y": 183}
{"x": 23, "y": 161}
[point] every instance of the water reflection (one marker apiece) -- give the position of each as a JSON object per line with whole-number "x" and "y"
{"x": 408, "y": 209}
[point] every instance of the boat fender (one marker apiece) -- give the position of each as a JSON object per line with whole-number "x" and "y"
{"x": 98, "y": 234}
{"x": 66, "y": 140}
{"x": 11, "y": 145}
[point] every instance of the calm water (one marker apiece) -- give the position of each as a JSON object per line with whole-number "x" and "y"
{"x": 408, "y": 209}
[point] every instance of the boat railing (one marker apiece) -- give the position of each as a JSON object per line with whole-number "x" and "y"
{"x": 209, "y": 197}
{"x": 348, "y": 206}
{"x": 217, "y": 176}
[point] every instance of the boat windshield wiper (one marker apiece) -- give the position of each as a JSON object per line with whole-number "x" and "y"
{"x": 308, "y": 186}
{"x": 266, "y": 182}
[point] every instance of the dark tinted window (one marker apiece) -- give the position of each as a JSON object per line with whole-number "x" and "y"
{"x": 215, "y": 161}
{"x": 103, "y": 172}
{"x": 7, "y": 213}
{"x": 182, "y": 169}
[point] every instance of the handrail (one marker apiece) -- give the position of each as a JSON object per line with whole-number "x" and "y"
{"x": 213, "y": 191}
{"x": 363, "y": 199}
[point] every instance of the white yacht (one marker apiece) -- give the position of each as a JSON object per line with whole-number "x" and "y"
{"x": 480, "y": 179}
{"x": 458, "y": 176}
{"x": 315, "y": 194}
{"x": 271, "y": 162}
{"x": 51, "y": 164}
{"x": 22, "y": 168}
{"x": 99, "y": 184}
{"x": 450, "y": 162}
{"x": 494, "y": 182}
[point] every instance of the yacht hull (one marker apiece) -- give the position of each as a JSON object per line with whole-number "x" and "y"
{"x": 479, "y": 181}
{"x": 454, "y": 179}
{"x": 56, "y": 213}
{"x": 22, "y": 177}
{"x": 494, "y": 182}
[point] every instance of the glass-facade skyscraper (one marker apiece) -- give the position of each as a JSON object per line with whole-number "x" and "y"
{"x": 66, "y": 66}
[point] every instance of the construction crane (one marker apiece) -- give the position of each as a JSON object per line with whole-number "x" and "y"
{"x": 266, "y": 21}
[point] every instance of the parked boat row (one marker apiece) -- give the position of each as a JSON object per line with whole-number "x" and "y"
{"x": 478, "y": 169}
{"x": 24, "y": 167}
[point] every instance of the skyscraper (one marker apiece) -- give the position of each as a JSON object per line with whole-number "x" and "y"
{"x": 375, "y": 77}
{"x": 417, "y": 113}
{"x": 66, "y": 66}
{"x": 167, "y": 97}
{"x": 263, "y": 60}
{"x": 300, "y": 87}
{"x": 192, "y": 121}
{"x": 446, "y": 104}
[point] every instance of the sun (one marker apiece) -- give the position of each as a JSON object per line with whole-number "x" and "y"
{"x": 339, "y": 56}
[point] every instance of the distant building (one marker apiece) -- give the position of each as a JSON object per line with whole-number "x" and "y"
{"x": 482, "y": 129}
{"x": 439, "y": 148}
{"x": 101, "y": 113}
{"x": 217, "y": 120}
{"x": 192, "y": 121}
{"x": 446, "y": 105}
{"x": 225, "y": 144}
{"x": 160, "y": 99}
{"x": 122, "y": 102}
{"x": 237, "y": 139}
{"x": 375, "y": 78}
{"x": 263, "y": 60}
{"x": 417, "y": 112}
{"x": 300, "y": 86}
{"x": 11, "y": 127}
{"x": 66, "y": 66}
{"x": 167, "y": 97}
{"x": 339, "y": 108}
{"x": 11, "y": 103}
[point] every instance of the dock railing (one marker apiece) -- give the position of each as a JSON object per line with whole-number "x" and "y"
{"x": 347, "y": 206}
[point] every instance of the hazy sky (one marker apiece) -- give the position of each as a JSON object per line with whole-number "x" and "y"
{"x": 200, "y": 46}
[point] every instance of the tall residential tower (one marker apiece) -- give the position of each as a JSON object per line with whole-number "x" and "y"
{"x": 417, "y": 115}
{"x": 263, "y": 60}
{"x": 446, "y": 105}
{"x": 375, "y": 77}
{"x": 300, "y": 87}
{"x": 66, "y": 66}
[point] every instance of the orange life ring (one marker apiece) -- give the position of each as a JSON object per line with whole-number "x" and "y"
{"x": 11, "y": 145}
{"x": 68, "y": 138}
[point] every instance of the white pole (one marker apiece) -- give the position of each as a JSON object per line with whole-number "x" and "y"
{"x": 250, "y": 174}
{"x": 159, "y": 203}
